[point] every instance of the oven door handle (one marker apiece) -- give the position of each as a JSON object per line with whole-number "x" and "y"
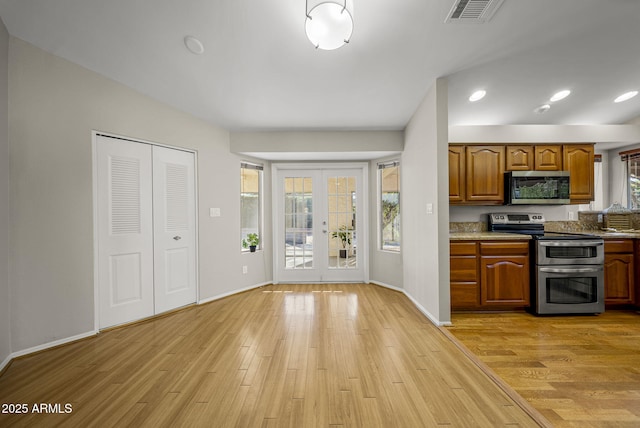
{"x": 570, "y": 243}
{"x": 571, "y": 270}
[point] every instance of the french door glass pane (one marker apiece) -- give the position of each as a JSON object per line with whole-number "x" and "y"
{"x": 298, "y": 222}
{"x": 341, "y": 207}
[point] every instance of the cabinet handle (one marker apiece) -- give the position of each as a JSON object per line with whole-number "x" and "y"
{"x": 177, "y": 238}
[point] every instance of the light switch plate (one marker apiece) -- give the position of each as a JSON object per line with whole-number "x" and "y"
{"x": 214, "y": 212}
{"x": 429, "y": 208}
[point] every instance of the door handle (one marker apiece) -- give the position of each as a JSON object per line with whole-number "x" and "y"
{"x": 177, "y": 238}
{"x": 324, "y": 231}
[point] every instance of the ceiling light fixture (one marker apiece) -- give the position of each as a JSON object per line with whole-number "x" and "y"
{"x": 626, "y": 96}
{"x": 329, "y": 24}
{"x": 194, "y": 45}
{"x": 542, "y": 109}
{"x": 560, "y": 95}
{"x": 477, "y": 95}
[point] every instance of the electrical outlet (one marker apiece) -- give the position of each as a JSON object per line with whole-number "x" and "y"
{"x": 572, "y": 215}
{"x": 214, "y": 212}
{"x": 245, "y": 269}
{"x": 429, "y": 208}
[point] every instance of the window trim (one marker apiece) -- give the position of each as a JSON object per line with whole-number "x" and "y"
{"x": 258, "y": 167}
{"x": 395, "y": 162}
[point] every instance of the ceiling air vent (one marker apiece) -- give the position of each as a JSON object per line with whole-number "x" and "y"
{"x": 473, "y": 11}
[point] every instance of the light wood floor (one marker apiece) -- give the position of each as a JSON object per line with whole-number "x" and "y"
{"x": 345, "y": 355}
{"x": 578, "y": 371}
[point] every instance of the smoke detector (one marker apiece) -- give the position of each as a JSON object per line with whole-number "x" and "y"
{"x": 472, "y": 11}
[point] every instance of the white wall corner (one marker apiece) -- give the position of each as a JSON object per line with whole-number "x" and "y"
{"x": 434, "y": 320}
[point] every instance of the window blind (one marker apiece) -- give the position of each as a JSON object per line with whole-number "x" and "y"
{"x": 630, "y": 154}
{"x": 247, "y": 165}
{"x": 389, "y": 164}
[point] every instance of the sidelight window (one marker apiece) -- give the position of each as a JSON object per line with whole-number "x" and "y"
{"x": 251, "y": 217}
{"x": 389, "y": 205}
{"x": 632, "y": 159}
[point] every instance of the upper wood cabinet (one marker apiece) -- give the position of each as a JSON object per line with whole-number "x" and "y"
{"x": 548, "y": 158}
{"x": 476, "y": 172}
{"x": 484, "y": 169}
{"x": 476, "y": 175}
{"x": 578, "y": 160}
{"x": 519, "y": 158}
{"x": 456, "y": 174}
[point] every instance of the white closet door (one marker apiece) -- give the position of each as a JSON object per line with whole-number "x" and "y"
{"x": 174, "y": 228}
{"x": 125, "y": 231}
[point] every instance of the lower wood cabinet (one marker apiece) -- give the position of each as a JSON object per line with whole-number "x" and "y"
{"x": 504, "y": 274}
{"x": 637, "y": 273}
{"x": 619, "y": 272}
{"x": 489, "y": 274}
{"x": 465, "y": 288}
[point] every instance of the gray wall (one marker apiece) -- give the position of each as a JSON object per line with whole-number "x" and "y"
{"x": 425, "y": 237}
{"x": 323, "y": 145}
{"x": 55, "y": 105}
{"x": 5, "y": 332}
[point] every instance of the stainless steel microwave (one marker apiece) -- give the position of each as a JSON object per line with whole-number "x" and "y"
{"x": 537, "y": 188}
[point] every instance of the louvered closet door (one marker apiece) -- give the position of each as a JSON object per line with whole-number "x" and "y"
{"x": 125, "y": 231}
{"x": 174, "y": 228}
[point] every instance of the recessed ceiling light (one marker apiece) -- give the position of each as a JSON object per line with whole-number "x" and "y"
{"x": 194, "y": 45}
{"x": 542, "y": 109}
{"x": 477, "y": 95}
{"x": 626, "y": 96}
{"x": 560, "y": 95}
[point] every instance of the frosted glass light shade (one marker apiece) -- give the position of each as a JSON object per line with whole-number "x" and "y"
{"x": 329, "y": 25}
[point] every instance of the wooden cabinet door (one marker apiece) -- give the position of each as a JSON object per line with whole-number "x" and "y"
{"x": 636, "y": 282}
{"x": 465, "y": 290}
{"x": 578, "y": 160}
{"x": 618, "y": 279}
{"x": 619, "y": 271}
{"x": 456, "y": 174}
{"x": 485, "y": 174}
{"x": 519, "y": 158}
{"x": 548, "y": 158}
{"x": 504, "y": 280}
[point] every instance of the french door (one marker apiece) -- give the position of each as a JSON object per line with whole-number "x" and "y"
{"x": 320, "y": 232}
{"x": 146, "y": 229}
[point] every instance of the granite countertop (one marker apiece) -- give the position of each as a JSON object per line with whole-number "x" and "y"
{"x": 604, "y": 234}
{"x": 501, "y": 236}
{"x": 486, "y": 236}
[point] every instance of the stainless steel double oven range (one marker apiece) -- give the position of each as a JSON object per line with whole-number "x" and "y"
{"x": 567, "y": 270}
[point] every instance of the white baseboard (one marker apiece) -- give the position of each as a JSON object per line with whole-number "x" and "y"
{"x": 421, "y": 308}
{"x": 231, "y": 293}
{"x": 5, "y": 362}
{"x": 59, "y": 342}
{"x": 426, "y": 313}
{"x": 392, "y": 287}
{"x": 46, "y": 346}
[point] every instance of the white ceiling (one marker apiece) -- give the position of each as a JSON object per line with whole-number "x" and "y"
{"x": 259, "y": 71}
